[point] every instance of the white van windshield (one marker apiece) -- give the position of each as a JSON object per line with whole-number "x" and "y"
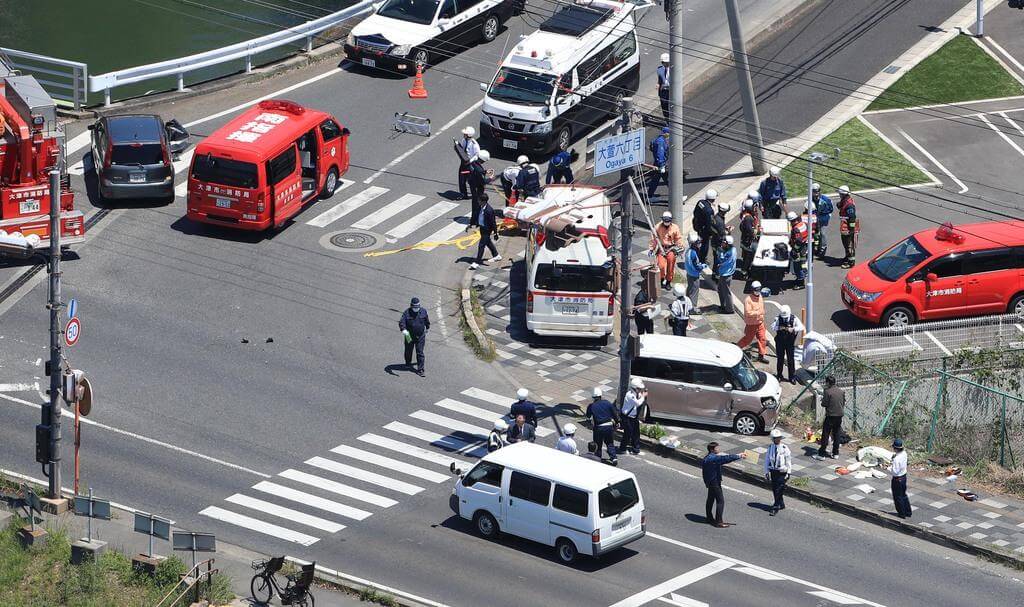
{"x": 520, "y": 86}
{"x": 614, "y": 500}
{"x": 568, "y": 277}
{"x": 415, "y": 11}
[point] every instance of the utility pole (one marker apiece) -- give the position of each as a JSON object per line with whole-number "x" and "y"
{"x": 54, "y": 305}
{"x": 746, "y": 86}
{"x": 815, "y": 158}
{"x": 980, "y": 17}
{"x": 675, "y": 109}
{"x": 625, "y": 244}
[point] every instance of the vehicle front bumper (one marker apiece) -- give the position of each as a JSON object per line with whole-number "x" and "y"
{"x": 382, "y": 61}
{"x": 602, "y": 548}
{"x": 525, "y": 142}
{"x": 122, "y": 191}
{"x": 870, "y": 312}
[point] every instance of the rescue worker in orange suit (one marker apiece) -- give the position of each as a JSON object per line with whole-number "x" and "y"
{"x": 750, "y": 225}
{"x": 668, "y": 235}
{"x": 753, "y": 319}
{"x": 849, "y": 226}
{"x": 798, "y": 235}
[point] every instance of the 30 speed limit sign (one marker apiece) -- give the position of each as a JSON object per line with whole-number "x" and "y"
{"x": 72, "y": 331}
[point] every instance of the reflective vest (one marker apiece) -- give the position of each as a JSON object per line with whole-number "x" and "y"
{"x": 848, "y": 217}
{"x": 529, "y": 180}
{"x": 798, "y": 234}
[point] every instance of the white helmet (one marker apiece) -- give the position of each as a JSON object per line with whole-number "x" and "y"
{"x": 748, "y": 204}
{"x": 776, "y": 433}
{"x": 678, "y": 289}
{"x": 569, "y": 429}
{"x": 522, "y": 393}
{"x": 754, "y": 195}
{"x": 844, "y": 189}
{"x": 483, "y": 155}
{"x": 636, "y": 382}
{"x": 815, "y": 187}
{"x": 775, "y": 171}
{"x": 666, "y": 215}
{"x": 723, "y": 207}
{"x": 469, "y": 131}
{"x": 784, "y": 311}
{"x": 664, "y": 58}
{"x": 755, "y": 287}
{"x": 791, "y": 215}
{"x": 523, "y": 159}
{"x": 729, "y": 240}
{"x": 500, "y": 425}
{"x": 711, "y": 194}
{"x": 597, "y": 392}
{"x": 692, "y": 237}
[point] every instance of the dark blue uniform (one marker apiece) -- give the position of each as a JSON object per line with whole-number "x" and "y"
{"x": 560, "y": 168}
{"x": 477, "y": 185}
{"x": 604, "y": 417}
{"x": 528, "y": 181}
{"x": 416, "y": 322}
{"x": 488, "y": 226}
{"x": 525, "y": 408}
{"x": 711, "y": 470}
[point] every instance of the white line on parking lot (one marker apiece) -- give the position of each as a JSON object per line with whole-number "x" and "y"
{"x": 893, "y": 145}
{"x": 934, "y": 160}
{"x": 1013, "y": 144}
{"x": 1008, "y": 56}
{"x": 938, "y": 343}
{"x": 1012, "y": 122}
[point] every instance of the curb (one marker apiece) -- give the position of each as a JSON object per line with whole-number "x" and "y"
{"x": 357, "y": 585}
{"x": 466, "y": 308}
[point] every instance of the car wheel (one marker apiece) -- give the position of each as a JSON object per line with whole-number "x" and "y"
{"x": 421, "y": 57}
{"x": 330, "y": 184}
{"x": 566, "y": 550}
{"x": 485, "y": 525}
{"x": 746, "y": 424}
{"x": 898, "y": 317}
{"x": 489, "y": 30}
{"x": 1017, "y": 305}
{"x": 616, "y": 108}
{"x": 563, "y": 138}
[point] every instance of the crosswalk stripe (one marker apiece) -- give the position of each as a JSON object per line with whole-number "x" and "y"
{"x": 393, "y": 464}
{"x": 257, "y": 525}
{"x": 451, "y": 424}
{"x": 346, "y": 206}
{"x": 181, "y": 171}
{"x": 445, "y": 442}
{"x": 418, "y": 452}
{"x": 286, "y": 513}
{"x": 418, "y": 221}
{"x": 311, "y": 500}
{"x": 490, "y": 397}
{"x": 461, "y": 407}
{"x": 370, "y": 477}
{"x": 446, "y": 233}
{"x": 339, "y": 488}
{"x": 387, "y": 212}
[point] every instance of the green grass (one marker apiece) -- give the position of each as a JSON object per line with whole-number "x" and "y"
{"x": 485, "y": 351}
{"x": 959, "y": 71}
{"x": 865, "y": 162}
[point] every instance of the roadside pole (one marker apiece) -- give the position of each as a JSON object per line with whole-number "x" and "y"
{"x": 625, "y": 243}
{"x": 675, "y": 109}
{"x": 815, "y": 157}
{"x": 54, "y": 306}
{"x": 980, "y": 18}
{"x": 746, "y": 86}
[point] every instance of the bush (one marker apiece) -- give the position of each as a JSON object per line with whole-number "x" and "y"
{"x": 169, "y": 571}
{"x": 220, "y": 589}
{"x": 653, "y": 431}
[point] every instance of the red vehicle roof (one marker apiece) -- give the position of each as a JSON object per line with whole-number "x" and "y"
{"x": 261, "y": 131}
{"x": 971, "y": 236}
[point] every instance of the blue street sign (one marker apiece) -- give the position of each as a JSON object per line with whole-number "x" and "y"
{"x": 618, "y": 151}
{"x": 72, "y": 308}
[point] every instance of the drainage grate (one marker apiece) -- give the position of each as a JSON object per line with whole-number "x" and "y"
{"x": 352, "y": 241}
{"x": 892, "y": 69}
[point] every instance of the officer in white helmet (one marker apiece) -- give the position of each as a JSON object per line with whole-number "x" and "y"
{"x": 778, "y": 463}
{"x": 567, "y": 442}
{"x": 787, "y": 329}
{"x": 719, "y": 230}
{"x": 750, "y": 227}
{"x": 679, "y": 310}
{"x": 496, "y": 439}
{"x": 694, "y": 266}
{"x": 773, "y": 194}
{"x": 528, "y": 181}
{"x": 798, "y": 237}
{"x": 703, "y": 215}
{"x": 632, "y": 406}
{"x": 604, "y": 417}
{"x": 822, "y": 207}
{"x": 523, "y": 406}
{"x": 725, "y": 262}
{"x": 664, "y": 73}
{"x": 467, "y": 150}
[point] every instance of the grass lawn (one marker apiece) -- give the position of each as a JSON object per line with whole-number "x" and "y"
{"x": 862, "y": 152}
{"x": 959, "y": 71}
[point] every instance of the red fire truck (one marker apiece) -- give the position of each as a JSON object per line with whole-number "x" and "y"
{"x": 29, "y": 149}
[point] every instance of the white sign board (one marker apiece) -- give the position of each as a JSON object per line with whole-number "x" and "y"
{"x": 618, "y": 152}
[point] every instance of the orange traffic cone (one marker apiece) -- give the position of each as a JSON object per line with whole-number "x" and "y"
{"x": 418, "y": 91}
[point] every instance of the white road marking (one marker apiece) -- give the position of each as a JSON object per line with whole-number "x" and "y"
{"x": 1008, "y": 56}
{"x": 445, "y": 234}
{"x": 285, "y": 513}
{"x": 477, "y": 449}
{"x": 418, "y": 221}
{"x": 752, "y": 566}
{"x": 1012, "y": 122}
{"x": 257, "y": 525}
{"x": 1013, "y": 144}
{"x": 311, "y": 500}
{"x": 418, "y": 452}
{"x": 346, "y": 206}
{"x": 387, "y": 212}
{"x": 78, "y": 142}
{"x": 938, "y": 343}
{"x": 417, "y": 147}
{"x": 883, "y": 350}
{"x": 19, "y": 387}
{"x": 63, "y": 490}
{"x": 489, "y": 397}
{"x": 913, "y": 343}
{"x": 368, "y": 477}
{"x": 461, "y": 407}
{"x": 339, "y": 488}
{"x": 835, "y": 597}
{"x": 760, "y": 574}
{"x": 680, "y": 581}
{"x": 934, "y": 160}
{"x": 682, "y": 601}
{"x": 695, "y": 477}
{"x": 899, "y": 149}
{"x": 332, "y": 573}
{"x": 451, "y": 424}
{"x": 142, "y": 438}
{"x": 181, "y": 166}
{"x": 392, "y": 464}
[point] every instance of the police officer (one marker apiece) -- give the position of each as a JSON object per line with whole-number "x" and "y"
{"x": 604, "y": 417}
{"x": 823, "y": 209}
{"x": 508, "y": 182}
{"x": 719, "y": 230}
{"x": 849, "y": 226}
{"x": 659, "y": 155}
{"x": 567, "y": 442}
{"x": 479, "y": 176}
{"x": 694, "y": 266}
{"x": 664, "y": 73}
{"x": 773, "y": 194}
{"x": 750, "y": 225}
{"x": 725, "y": 258}
{"x": 488, "y": 225}
{"x": 467, "y": 149}
{"x": 560, "y": 168}
{"x": 798, "y": 247}
{"x": 528, "y": 180}
{"x": 414, "y": 325}
{"x": 523, "y": 406}
{"x": 495, "y": 440}
{"x": 703, "y": 214}
{"x": 631, "y": 403}
{"x": 680, "y": 310}
{"x": 786, "y": 328}
{"x": 641, "y": 305}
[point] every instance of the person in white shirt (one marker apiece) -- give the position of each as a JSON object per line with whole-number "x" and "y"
{"x": 898, "y": 468}
{"x": 778, "y": 463}
{"x": 631, "y": 403}
{"x": 786, "y": 328}
{"x": 495, "y": 440}
{"x": 467, "y": 150}
{"x": 680, "y": 310}
{"x": 567, "y": 442}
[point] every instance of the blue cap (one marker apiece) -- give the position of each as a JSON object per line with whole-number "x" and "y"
{"x": 897, "y": 443}
{"x": 665, "y": 130}
{"x": 415, "y": 301}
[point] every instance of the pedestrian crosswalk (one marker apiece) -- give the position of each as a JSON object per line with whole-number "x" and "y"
{"x": 376, "y": 470}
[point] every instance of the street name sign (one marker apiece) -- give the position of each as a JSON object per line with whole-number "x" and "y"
{"x": 618, "y": 152}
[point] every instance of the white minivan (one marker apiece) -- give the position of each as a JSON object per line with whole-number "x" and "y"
{"x": 575, "y": 504}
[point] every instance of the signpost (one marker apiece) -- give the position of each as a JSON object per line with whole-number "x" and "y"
{"x": 194, "y": 542}
{"x": 153, "y": 526}
{"x": 30, "y": 536}
{"x": 72, "y": 331}
{"x": 619, "y": 152}
{"x": 89, "y": 507}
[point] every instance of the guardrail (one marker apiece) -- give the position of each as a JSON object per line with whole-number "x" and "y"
{"x": 64, "y": 80}
{"x": 241, "y": 50}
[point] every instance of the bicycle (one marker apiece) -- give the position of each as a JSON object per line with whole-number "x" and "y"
{"x": 295, "y": 592}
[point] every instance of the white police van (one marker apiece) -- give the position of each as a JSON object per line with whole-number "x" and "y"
{"x": 565, "y": 77}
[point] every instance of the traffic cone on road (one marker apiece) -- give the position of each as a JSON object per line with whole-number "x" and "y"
{"x": 418, "y": 91}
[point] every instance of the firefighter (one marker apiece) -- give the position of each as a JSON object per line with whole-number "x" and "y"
{"x": 694, "y": 267}
{"x": 528, "y": 180}
{"x": 664, "y": 73}
{"x": 773, "y": 194}
{"x": 659, "y": 153}
{"x": 666, "y": 234}
{"x": 703, "y": 215}
{"x": 849, "y": 226}
{"x": 823, "y": 209}
{"x": 749, "y": 227}
{"x": 467, "y": 149}
{"x": 560, "y": 168}
{"x": 798, "y": 247}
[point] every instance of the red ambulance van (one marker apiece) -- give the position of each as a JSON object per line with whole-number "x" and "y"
{"x": 965, "y": 270}
{"x": 259, "y": 170}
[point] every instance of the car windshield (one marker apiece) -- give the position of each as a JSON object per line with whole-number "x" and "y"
{"x": 415, "y": 11}
{"x": 521, "y": 86}
{"x": 568, "y": 277}
{"x": 616, "y": 499}
{"x": 898, "y": 260}
{"x": 746, "y": 375}
{"x": 224, "y": 171}
{"x": 137, "y": 153}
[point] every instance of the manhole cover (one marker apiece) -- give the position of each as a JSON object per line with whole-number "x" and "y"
{"x": 352, "y": 241}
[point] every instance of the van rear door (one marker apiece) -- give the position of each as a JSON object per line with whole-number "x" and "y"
{"x": 284, "y": 177}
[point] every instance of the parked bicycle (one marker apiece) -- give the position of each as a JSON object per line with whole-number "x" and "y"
{"x": 296, "y": 592}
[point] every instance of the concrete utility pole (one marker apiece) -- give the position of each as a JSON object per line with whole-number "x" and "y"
{"x": 675, "y": 109}
{"x": 746, "y": 86}
{"x": 625, "y": 243}
{"x": 815, "y": 158}
{"x": 980, "y": 17}
{"x": 54, "y": 306}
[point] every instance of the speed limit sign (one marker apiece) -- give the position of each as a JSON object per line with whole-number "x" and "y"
{"x": 72, "y": 331}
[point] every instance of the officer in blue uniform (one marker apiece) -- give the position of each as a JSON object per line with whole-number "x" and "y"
{"x": 523, "y": 406}
{"x": 414, "y": 325}
{"x": 528, "y": 181}
{"x": 773, "y": 194}
{"x": 560, "y": 168}
{"x": 664, "y": 73}
{"x": 659, "y": 151}
{"x": 604, "y": 417}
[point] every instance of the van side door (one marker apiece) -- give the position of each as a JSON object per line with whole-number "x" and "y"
{"x": 667, "y": 386}
{"x": 991, "y": 280}
{"x": 284, "y": 178}
{"x": 946, "y": 295}
{"x": 526, "y": 514}
{"x": 481, "y": 490}
{"x": 332, "y": 148}
{"x": 711, "y": 402}
{"x": 590, "y": 72}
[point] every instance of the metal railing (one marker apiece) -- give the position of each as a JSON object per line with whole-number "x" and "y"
{"x": 66, "y": 81}
{"x": 242, "y": 50}
{"x": 190, "y": 582}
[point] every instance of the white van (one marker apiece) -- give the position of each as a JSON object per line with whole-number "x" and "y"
{"x": 570, "y": 291}
{"x": 569, "y": 74}
{"x": 575, "y": 504}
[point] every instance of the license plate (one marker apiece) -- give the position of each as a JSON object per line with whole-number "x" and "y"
{"x": 570, "y": 309}
{"x": 29, "y": 206}
{"x": 369, "y": 62}
{"x": 510, "y": 144}
{"x": 137, "y": 177}
{"x": 223, "y": 203}
{"x": 620, "y": 524}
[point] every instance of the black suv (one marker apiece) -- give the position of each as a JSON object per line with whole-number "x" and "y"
{"x": 132, "y": 155}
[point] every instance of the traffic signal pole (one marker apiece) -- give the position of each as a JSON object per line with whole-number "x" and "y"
{"x": 54, "y": 305}
{"x": 625, "y": 244}
{"x": 746, "y": 86}
{"x": 675, "y": 109}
